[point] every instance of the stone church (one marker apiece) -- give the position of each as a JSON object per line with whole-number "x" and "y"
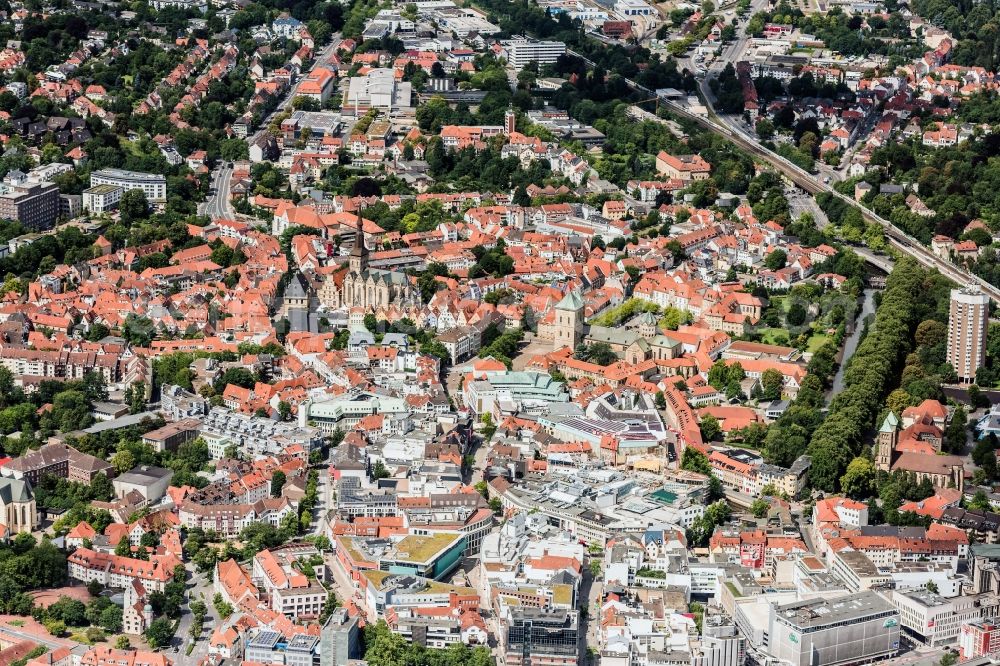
{"x": 563, "y": 325}
{"x": 357, "y": 285}
{"x": 916, "y": 449}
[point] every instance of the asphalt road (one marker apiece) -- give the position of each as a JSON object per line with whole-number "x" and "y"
{"x": 217, "y": 205}
{"x": 960, "y": 394}
{"x": 321, "y": 60}
{"x": 200, "y": 589}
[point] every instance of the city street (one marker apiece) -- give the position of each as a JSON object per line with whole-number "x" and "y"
{"x": 200, "y": 589}
{"x": 321, "y": 61}
{"x": 217, "y": 205}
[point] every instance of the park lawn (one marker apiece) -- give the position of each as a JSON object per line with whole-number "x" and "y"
{"x": 769, "y": 336}
{"x": 816, "y": 341}
{"x": 780, "y": 302}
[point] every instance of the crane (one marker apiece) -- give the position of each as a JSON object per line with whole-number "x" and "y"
{"x": 651, "y": 99}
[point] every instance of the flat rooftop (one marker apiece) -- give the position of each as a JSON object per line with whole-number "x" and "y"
{"x": 102, "y": 189}
{"x": 815, "y": 613}
{"x": 421, "y": 548}
{"x": 123, "y": 174}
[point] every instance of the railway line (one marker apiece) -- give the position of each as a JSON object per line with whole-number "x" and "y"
{"x": 811, "y": 184}
{"x": 808, "y": 182}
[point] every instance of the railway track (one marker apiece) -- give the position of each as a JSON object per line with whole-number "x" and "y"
{"x": 810, "y": 183}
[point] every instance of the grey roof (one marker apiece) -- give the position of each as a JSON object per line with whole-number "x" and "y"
{"x": 15, "y": 490}
{"x": 647, "y": 318}
{"x": 295, "y": 288}
{"x": 361, "y": 337}
{"x": 988, "y": 550}
{"x": 144, "y": 474}
{"x": 395, "y": 339}
{"x": 121, "y": 422}
{"x": 572, "y": 301}
{"x": 614, "y": 336}
{"x": 825, "y": 612}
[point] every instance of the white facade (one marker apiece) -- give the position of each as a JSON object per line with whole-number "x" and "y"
{"x": 153, "y": 185}
{"x": 520, "y": 52}
{"x": 102, "y": 198}
{"x": 936, "y": 619}
{"x": 630, "y": 8}
{"x": 967, "y": 322}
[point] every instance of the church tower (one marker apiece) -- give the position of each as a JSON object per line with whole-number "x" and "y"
{"x": 569, "y": 321}
{"x": 648, "y": 325}
{"x": 888, "y": 435}
{"x": 359, "y": 254}
{"x": 509, "y": 122}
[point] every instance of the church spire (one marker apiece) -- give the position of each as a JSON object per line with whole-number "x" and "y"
{"x": 359, "y": 254}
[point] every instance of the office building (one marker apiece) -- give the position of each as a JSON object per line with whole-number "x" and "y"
{"x": 267, "y": 646}
{"x": 984, "y": 560}
{"x": 519, "y": 52}
{"x": 153, "y": 185}
{"x": 339, "y": 640}
{"x": 929, "y": 618}
{"x": 290, "y": 591}
{"x": 633, "y": 8}
{"x": 33, "y": 204}
{"x": 540, "y": 637}
{"x": 70, "y": 205}
{"x": 378, "y": 89}
{"x": 858, "y": 571}
{"x": 851, "y": 629}
{"x": 967, "y": 321}
{"x": 979, "y": 639}
{"x": 101, "y": 198}
{"x": 721, "y": 644}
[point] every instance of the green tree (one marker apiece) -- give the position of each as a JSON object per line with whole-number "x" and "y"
{"x": 133, "y": 206}
{"x": 776, "y": 260}
{"x": 223, "y": 608}
{"x": 277, "y": 483}
{"x": 760, "y": 508}
{"x": 710, "y": 428}
{"x": 55, "y": 627}
{"x": 111, "y": 619}
{"x": 123, "y": 461}
{"x": 71, "y": 411}
{"x": 858, "y": 481}
{"x": 772, "y": 383}
{"x": 955, "y": 433}
{"x": 980, "y": 502}
{"x": 71, "y": 611}
{"x": 898, "y": 400}
{"x": 715, "y": 490}
{"x": 159, "y": 633}
{"x": 379, "y": 471}
{"x": 595, "y": 569}
{"x": 765, "y": 129}
{"x": 796, "y": 315}
{"x": 694, "y": 460}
